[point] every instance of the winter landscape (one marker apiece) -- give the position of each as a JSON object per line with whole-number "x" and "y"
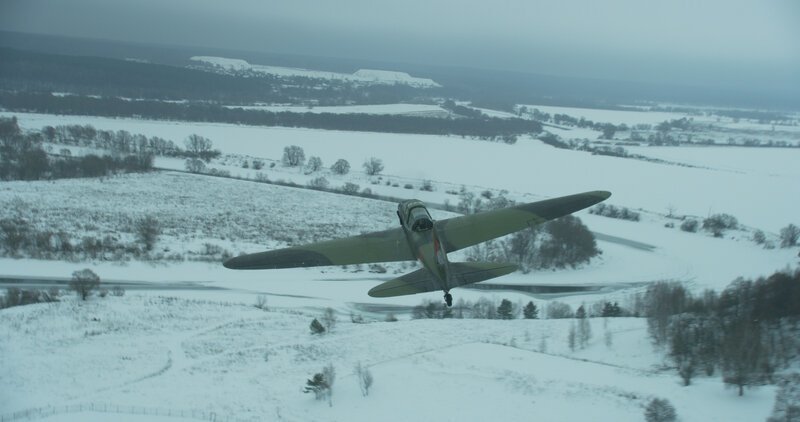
{"x": 127, "y": 178}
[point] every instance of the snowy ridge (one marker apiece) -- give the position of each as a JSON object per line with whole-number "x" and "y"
{"x": 365, "y": 76}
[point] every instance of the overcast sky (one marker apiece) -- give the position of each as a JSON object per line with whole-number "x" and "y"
{"x": 720, "y": 42}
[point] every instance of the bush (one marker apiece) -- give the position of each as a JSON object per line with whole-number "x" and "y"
{"x": 759, "y": 237}
{"x": 789, "y": 236}
{"x": 718, "y": 223}
{"x": 117, "y": 291}
{"x": 316, "y": 327}
{"x": 350, "y": 188}
{"x": 689, "y": 225}
{"x": 195, "y": 165}
{"x": 558, "y": 310}
{"x": 319, "y": 183}
{"x": 659, "y": 410}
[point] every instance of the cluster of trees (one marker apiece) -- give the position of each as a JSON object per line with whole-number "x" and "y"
{"x": 23, "y": 157}
{"x": 484, "y": 128}
{"x": 748, "y": 331}
{"x": 18, "y": 237}
{"x": 295, "y": 156}
{"x": 612, "y": 211}
{"x": 484, "y": 308}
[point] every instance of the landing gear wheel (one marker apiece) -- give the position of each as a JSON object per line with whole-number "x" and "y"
{"x": 448, "y": 299}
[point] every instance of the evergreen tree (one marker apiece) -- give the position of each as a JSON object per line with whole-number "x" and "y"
{"x": 316, "y": 327}
{"x": 317, "y": 385}
{"x": 504, "y": 310}
{"x": 530, "y": 311}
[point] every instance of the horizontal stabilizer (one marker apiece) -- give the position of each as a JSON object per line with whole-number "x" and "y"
{"x": 461, "y": 273}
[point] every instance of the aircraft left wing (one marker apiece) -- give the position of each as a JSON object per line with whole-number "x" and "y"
{"x": 468, "y": 230}
{"x": 384, "y": 246}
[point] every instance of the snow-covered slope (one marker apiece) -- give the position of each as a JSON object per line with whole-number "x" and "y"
{"x": 366, "y": 76}
{"x": 239, "y": 362}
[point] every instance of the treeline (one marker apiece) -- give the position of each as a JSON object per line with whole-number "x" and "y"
{"x": 487, "y": 127}
{"x": 106, "y": 77}
{"x": 748, "y": 331}
{"x": 23, "y": 157}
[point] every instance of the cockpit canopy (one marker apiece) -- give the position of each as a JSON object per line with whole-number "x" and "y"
{"x": 415, "y": 215}
{"x": 420, "y": 219}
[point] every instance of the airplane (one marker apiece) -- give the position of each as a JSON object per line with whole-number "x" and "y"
{"x": 421, "y": 238}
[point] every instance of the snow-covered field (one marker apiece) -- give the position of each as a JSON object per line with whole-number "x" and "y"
{"x": 368, "y": 76}
{"x": 209, "y": 349}
{"x": 528, "y": 167}
{"x": 243, "y": 363}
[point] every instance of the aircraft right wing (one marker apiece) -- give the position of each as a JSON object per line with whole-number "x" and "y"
{"x": 384, "y": 246}
{"x": 461, "y": 232}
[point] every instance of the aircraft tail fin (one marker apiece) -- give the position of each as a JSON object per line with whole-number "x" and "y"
{"x": 461, "y": 273}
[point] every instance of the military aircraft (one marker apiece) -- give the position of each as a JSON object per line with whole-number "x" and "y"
{"x": 421, "y": 238}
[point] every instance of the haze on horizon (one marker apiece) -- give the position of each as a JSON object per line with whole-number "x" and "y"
{"x": 746, "y": 45}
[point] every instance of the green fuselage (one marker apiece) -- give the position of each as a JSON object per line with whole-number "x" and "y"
{"x": 424, "y": 239}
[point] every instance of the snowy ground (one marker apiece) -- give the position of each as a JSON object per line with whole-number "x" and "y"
{"x": 247, "y": 364}
{"x": 370, "y": 76}
{"x": 756, "y": 198}
{"x": 211, "y": 350}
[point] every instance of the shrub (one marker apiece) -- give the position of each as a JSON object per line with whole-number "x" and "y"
{"x": 718, "y": 223}
{"x": 316, "y": 327}
{"x": 319, "y": 183}
{"x": 689, "y": 225}
{"x": 350, "y": 188}
{"x": 659, "y": 410}
{"x": 789, "y": 236}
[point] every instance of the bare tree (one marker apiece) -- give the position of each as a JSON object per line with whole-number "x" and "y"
{"x": 365, "y": 378}
{"x": 293, "y": 156}
{"x": 341, "y": 166}
{"x": 329, "y": 373}
{"x": 314, "y": 164}
{"x": 147, "y": 231}
{"x": 373, "y": 166}
{"x": 83, "y": 282}
{"x": 789, "y": 236}
{"x": 199, "y": 147}
{"x": 329, "y": 319}
{"x": 571, "y": 337}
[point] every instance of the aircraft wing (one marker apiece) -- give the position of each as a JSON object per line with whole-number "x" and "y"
{"x": 383, "y": 246}
{"x": 468, "y": 230}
